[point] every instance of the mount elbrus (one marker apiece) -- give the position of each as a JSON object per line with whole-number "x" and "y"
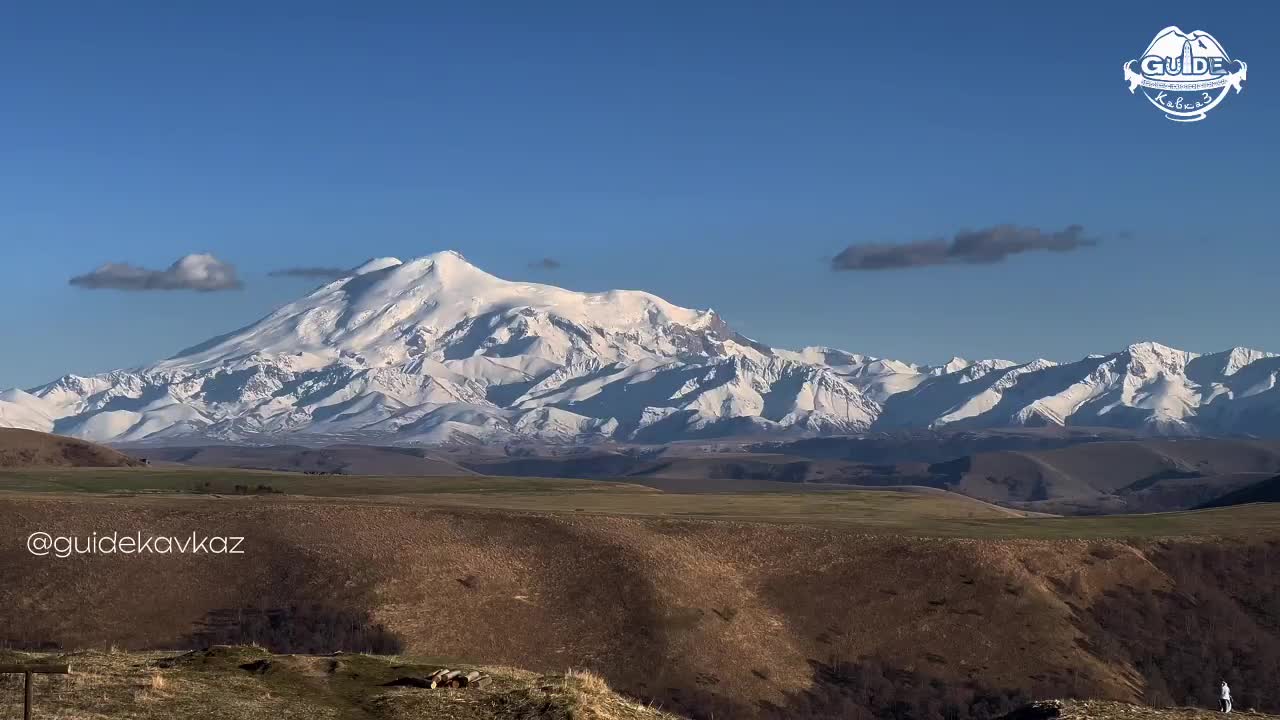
{"x": 435, "y": 350}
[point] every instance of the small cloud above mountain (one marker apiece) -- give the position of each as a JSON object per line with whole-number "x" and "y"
{"x": 198, "y": 271}
{"x": 545, "y": 263}
{"x": 320, "y": 273}
{"x": 968, "y": 247}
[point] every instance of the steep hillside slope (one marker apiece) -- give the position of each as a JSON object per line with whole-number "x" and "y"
{"x": 1266, "y": 491}
{"x": 1125, "y": 476}
{"x": 28, "y": 448}
{"x": 708, "y": 618}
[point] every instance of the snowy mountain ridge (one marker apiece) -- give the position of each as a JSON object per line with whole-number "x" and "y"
{"x": 435, "y": 350}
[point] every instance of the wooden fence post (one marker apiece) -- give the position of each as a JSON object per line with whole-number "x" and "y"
{"x": 28, "y": 672}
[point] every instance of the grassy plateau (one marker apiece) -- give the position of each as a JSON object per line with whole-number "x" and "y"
{"x": 907, "y": 510}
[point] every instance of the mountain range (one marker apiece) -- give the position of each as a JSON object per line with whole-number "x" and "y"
{"x": 437, "y": 351}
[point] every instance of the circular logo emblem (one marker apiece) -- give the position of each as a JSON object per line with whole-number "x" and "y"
{"x": 1185, "y": 74}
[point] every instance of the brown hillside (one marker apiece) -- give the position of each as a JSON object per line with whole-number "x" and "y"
{"x": 1267, "y": 491}
{"x": 247, "y": 683}
{"x": 1122, "y": 476}
{"x": 707, "y": 618}
{"x": 28, "y": 448}
{"x": 1102, "y": 710}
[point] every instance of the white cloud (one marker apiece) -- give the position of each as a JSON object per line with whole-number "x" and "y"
{"x": 198, "y": 271}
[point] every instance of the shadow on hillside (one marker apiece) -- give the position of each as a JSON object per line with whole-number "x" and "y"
{"x": 869, "y": 690}
{"x": 306, "y": 630}
{"x": 303, "y": 630}
{"x": 1219, "y": 620}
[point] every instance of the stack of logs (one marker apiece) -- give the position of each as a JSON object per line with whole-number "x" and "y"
{"x": 445, "y": 677}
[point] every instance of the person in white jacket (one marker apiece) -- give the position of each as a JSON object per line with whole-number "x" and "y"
{"x": 1226, "y": 697}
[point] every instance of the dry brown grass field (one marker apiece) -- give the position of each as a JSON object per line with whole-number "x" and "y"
{"x": 1102, "y": 710}
{"x": 710, "y": 605}
{"x": 26, "y": 448}
{"x": 248, "y": 683}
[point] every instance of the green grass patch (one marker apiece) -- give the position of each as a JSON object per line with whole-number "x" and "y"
{"x": 867, "y": 509}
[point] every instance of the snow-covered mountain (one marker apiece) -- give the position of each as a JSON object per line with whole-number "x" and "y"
{"x": 435, "y": 350}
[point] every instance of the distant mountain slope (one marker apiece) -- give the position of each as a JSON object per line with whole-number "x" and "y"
{"x": 1265, "y": 491}
{"x": 934, "y": 445}
{"x": 729, "y": 471}
{"x": 27, "y": 448}
{"x": 437, "y": 351}
{"x": 1097, "y": 477}
{"x": 337, "y": 459}
{"x": 1126, "y": 476}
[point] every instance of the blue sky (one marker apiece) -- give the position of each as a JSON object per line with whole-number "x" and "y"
{"x": 717, "y": 154}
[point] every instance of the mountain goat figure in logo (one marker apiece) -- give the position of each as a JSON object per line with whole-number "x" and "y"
{"x": 1134, "y": 79}
{"x": 1238, "y": 77}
